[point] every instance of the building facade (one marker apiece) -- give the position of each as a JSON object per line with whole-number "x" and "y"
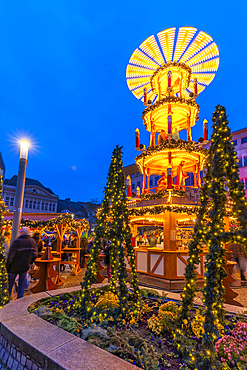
{"x": 37, "y": 198}
{"x": 239, "y": 139}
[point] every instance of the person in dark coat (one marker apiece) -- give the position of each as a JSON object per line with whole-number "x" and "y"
{"x": 21, "y": 254}
{"x": 39, "y": 242}
{"x": 90, "y": 244}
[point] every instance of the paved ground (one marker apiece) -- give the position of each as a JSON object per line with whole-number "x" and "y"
{"x": 70, "y": 281}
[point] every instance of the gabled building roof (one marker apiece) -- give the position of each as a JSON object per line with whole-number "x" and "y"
{"x": 75, "y": 208}
{"x": 13, "y": 182}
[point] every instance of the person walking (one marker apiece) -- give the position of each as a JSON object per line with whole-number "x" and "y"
{"x": 21, "y": 254}
{"x": 239, "y": 256}
{"x": 6, "y": 243}
{"x": 39, "y": 242}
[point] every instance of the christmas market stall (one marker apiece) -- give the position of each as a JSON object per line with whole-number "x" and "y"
{"x": 59, "y": 225}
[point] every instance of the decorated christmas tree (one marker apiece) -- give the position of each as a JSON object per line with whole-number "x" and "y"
{"x": 113, "y": 224}
{"x": 4, "y": 295}
{"x": 222, "y": 197}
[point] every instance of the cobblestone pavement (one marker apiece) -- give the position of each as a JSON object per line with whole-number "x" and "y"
{"x": 67, "y": 277}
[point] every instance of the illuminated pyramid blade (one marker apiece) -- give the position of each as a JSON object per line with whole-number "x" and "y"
{"x": 195, "y": 49}
{"x": 138, "y": 92}
{"x": 150, "y": 95}
{"x": 166, "y": 39}
{"x": 140, "y": 59}
{"x": 203, "y": 78}
{"x": 151, "y": 48}
{"x": 201, "y": 40}
{"x": 200, "y": 88}
{"x": 134, "y": 71}
{"x": 209, "y": 52}
{"x": 137, "y": 82}
{"x": 209, "y": 66}
{"x": 185, "y": 35}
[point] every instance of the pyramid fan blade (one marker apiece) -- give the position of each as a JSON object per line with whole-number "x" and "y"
{"x": 200, "y": 88}
{"x": 137, "y": 82}
{"x": 150, "y": 47}
{"x": 150, "y": 96}
{"x": 134, "y": 71}
{"x": 209, "y": 52}
{"x": 141, "y": 59}
{"x": 185, "y": 35}
{"x": 166, "y": 39}
{"x": 201, "y": 40}
{"x": 138, "y": 92}
{"x": 204, "y": 78}
{"x": 209, "y": 66}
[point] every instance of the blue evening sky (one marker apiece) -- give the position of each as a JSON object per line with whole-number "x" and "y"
{"x": 62, "y": 81}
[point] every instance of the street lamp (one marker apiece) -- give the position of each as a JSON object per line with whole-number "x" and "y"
{"x": 24, "y": 145}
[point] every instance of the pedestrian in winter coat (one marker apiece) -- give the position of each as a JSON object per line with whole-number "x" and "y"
{"x": 39, "y": 242}
{"x": 90, "y": 244}
{"x": 21, "y": 254}
{"x": 6, "y": 243}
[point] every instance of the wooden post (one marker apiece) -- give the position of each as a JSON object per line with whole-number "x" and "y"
{"x": 60, "y": 233}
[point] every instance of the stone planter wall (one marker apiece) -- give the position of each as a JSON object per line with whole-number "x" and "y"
{"x": 28, "y": 342}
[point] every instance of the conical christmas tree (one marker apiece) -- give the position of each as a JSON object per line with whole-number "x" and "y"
{"x": 113, "y": 224}
{"x": 4, "y": 294}
{"x": 221, "y": 184}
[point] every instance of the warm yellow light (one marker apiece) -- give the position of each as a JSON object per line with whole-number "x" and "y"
{"x": 24, "y": 149}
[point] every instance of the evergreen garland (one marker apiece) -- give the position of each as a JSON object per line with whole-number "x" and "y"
{"x": 113, "y": 223}
{"x": 4, "y": 295}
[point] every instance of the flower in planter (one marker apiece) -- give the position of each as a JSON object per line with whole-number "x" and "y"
{"x": 231, "y": 350}
{"x": 108, "y": 300}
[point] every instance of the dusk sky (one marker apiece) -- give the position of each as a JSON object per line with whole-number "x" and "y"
{"x": 62, "y": 81}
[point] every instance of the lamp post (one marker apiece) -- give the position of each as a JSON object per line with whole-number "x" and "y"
{"x": 19, "y": 190}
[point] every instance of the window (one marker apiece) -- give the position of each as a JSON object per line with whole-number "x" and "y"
{"x": 43, "y": 206}
{"x": 243, "y": 139}
{"x": 34, "y": 204}
{"x": 235, "y": 142}
{"x": 240, "y": 163}
{"x": 151, "y": 182}
{"x": 7, "y": 201}
{"x": 46, "y": 206}
{"x": 53, "y": 208}
{"x": 138, "y": 184}
{"x": 11, "y": 202}
{"x": 26, "y": 203}
{"x": 245, "y": 161}
{"x": 133, "y": 186}
{"x": 38, "y": 205}
{"x": 30, "y": 204}
{"x": 50, "y": 207}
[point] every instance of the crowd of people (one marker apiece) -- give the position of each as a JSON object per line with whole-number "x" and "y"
{"x": 29, "y": 245}
{"x": 150, "y": 239}
{"x": 25, "y": 249}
